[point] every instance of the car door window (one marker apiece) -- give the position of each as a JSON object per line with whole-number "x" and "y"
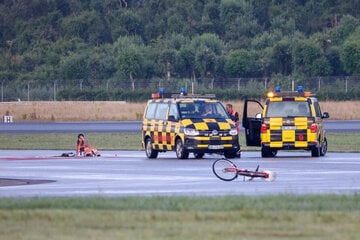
{"x": 161, "y": 111}
{"x": 173, "y": 111}
{"x": 150, "y": 112}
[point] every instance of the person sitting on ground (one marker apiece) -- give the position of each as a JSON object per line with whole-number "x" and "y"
{"x": 84, "y": 148}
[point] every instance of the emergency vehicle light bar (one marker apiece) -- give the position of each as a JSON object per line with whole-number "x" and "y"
{"x": 182, "y": 94}
{"x": 158, "y": 95}
{"x": 190, "y": 95}
{"x": 300, "y": 93}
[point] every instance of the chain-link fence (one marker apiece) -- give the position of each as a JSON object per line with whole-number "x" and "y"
{"x": 40, "y": 90}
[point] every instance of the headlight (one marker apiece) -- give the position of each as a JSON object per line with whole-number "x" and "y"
{"x": 191, "y": 131}
{"x": 233, "y": 132}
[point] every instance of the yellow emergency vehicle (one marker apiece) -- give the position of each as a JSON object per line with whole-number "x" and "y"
{"x": 288, "y": 121}
{"x": 187, "y": 123}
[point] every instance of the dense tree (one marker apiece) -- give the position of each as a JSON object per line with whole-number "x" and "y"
{"x": 129, "y": 58}
{"x": 105, "y": 39}
{"x": 350, "y": 56}
{"x": 207, "y": 48}
{"x": 242, "y": 63}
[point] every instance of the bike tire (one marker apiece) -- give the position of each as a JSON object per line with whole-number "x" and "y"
{"x": 224, "y": 169}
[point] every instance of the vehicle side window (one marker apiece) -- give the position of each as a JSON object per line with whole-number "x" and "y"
{"x": 161, "y": 111}
{"x": 150, "y": 111}
{"x": 174, "y": 111}
{"x": 317, "y": 109}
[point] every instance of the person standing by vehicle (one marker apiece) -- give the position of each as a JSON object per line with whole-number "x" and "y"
{"x": 83, "y": 147}
{"x": 234, "y": 115}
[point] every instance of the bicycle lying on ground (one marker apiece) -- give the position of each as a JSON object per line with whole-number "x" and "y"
{"x": 226, "y": 170}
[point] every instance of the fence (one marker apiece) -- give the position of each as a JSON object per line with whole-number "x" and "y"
{"x": 40, "y": 90}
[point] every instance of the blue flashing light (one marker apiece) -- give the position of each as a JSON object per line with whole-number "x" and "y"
{"x": 182, "y": 90}
{"x": 161, "y": 90}
{"x": 277, "y": 89}
{"x": 300, "y": 89}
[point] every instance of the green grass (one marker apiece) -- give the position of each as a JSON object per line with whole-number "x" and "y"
{"x": 338, "y": 142}
{"x": 229, "y": 217}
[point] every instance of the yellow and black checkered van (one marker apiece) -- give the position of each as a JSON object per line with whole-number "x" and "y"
{"x": 188, "y": 124}
{"x": 289, "y": 121}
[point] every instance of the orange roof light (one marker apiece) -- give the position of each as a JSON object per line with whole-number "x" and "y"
{"x": 307, "y": 94}
{"x": 270, "y": 94}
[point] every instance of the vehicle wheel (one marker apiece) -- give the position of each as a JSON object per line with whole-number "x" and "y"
{"x": 199, "y": 155}
{"x": 238, "y": 154}
{"x": 267, "y": 152}
{"x": 181, "y": 152}
{"x": 230, "y": 154}
{"x": 315, "y": 152}
{"x": 224, "y": 169}
{"x": 324, "y": 147}
{"x": 150, "y": 153}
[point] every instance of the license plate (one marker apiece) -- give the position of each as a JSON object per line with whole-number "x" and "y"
{"x": 288, "y": 128}
{"x": 216, "y": 146}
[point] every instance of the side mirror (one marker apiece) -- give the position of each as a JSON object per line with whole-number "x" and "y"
{"x": 325, "y": 115}
{"x": 172, "y": 118}
{"x": 258, "y": 116}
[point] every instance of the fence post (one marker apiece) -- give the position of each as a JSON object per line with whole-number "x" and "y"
{"x": 2, "y": 91}
{"x": 265, "y": 83}
{"x": 319, "y": 84}
{"x": 28, "y": 91}
{"x": 239, "y": 80}
{"x": 55, "y": 90}
{"x": 107, "y": 85}
{"x": 346, "y": 84}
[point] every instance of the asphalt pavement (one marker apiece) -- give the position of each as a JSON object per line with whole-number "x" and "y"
{"x": 129, "y": 173}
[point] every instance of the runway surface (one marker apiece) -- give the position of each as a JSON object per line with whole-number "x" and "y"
{"x": 129, "y": 173}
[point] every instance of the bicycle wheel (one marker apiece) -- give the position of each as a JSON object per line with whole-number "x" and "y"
{"x": 224, "y": 169}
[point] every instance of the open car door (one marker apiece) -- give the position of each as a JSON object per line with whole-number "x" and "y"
{"x": 251, "y": 123}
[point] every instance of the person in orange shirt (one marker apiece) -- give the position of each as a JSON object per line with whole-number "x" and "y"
{"x": 233, "y": 115}
{"x": 84, "y": 148}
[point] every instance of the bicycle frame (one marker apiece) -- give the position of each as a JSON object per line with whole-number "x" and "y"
{"x": 226, "y": 170}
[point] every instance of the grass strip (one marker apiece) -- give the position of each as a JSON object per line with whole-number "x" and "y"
{"x": 229, "y": 217}
{"x": 337, "y": 142}
{"x": 311, "y": 203}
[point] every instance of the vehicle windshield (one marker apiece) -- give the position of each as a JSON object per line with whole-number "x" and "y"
{"x": 202, "y": 109}
{"x": 288, "y": 109}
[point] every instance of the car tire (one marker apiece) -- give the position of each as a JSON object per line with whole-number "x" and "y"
{"x": 230, "y": 154}
{"x": 199, "y": 155}
{"x": 323, "y": 148}
{"x": 150, "y": 153}
{"x": 267, "y": 152}
{"x": 315, "y": 152}
{"x": 181, "y": 152}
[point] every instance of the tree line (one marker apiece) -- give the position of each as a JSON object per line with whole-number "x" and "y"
{"x": 98, "y": 40}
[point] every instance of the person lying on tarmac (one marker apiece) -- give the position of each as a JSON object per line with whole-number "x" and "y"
{"x": 84, "y": 148}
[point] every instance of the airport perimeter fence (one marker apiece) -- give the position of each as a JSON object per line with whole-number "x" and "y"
{"x": 340, "y": 88}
